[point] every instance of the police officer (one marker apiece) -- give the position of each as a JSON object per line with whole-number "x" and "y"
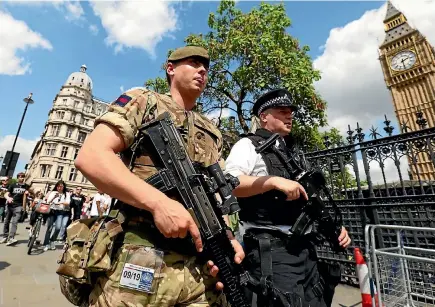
{"x": 266, "y": 219}
{"x": 156, "y": 240}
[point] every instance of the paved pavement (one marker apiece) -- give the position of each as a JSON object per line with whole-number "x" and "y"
{"x": 31, "y": 280}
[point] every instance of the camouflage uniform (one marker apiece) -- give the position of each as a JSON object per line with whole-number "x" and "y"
{"x": 183, "y": 279}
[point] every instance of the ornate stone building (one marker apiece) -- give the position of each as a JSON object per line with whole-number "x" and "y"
{"x": 69, "y": 122}
{"x": 408, "y": 64}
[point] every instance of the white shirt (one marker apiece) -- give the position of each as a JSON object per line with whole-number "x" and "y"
{"x": 107, "y": 201}
{"x": 244, "y": 160}
{"x": 94, "y": 209}
{"x": 59, "y": 201}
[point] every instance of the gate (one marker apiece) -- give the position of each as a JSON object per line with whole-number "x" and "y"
{"x": 388, "y": 180}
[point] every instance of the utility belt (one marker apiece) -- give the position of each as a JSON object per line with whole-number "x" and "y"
{"x": 265, "y": 241}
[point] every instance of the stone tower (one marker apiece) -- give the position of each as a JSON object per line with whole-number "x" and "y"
{"x": 70, "y": 120}
{"x": 408, "y": 64}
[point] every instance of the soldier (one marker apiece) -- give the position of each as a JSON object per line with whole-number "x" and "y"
{"x": 267, "y": 219}
{"x": 157, "y": 223}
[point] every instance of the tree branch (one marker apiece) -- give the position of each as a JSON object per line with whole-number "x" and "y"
{"x": 232, "y": 77}
{"x": 228, "y": 94}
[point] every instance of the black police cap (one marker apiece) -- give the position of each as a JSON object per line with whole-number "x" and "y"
{"x": 272, "y": 99}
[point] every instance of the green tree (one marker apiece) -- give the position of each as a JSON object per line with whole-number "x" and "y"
{"x": 159, "y": 85}
{"x": 252, "y": 53}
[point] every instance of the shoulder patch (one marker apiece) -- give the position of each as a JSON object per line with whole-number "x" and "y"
{"x": 122, "y": 100}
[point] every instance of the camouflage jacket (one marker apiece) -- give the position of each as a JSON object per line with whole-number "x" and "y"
{"x": 138, "y": 106}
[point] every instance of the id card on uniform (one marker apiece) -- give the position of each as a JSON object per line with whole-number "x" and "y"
{"x": 141, "y": 266}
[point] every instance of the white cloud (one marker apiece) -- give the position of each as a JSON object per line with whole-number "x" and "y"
{"x": 71, "y": 9}
{"x": 93, "y": 29}
{"x": 389, "y": 168}
{"x": 121, "y": 88}
{"x": 136, "y": 24}
{"x": 74, "y": 10}
{"x": 15, "y": 37}
{"x": 214, "y": 115}
{"x": 23, "y": 146}
{"x": 352, "y": 81}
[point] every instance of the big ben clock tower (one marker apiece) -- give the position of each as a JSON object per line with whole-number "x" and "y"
{"x": 408, "y": 64}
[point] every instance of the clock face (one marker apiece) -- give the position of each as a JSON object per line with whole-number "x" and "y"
{"x": 403, "y": 60}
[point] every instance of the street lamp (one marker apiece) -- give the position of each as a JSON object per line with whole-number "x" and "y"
{"x": 28, "y": 100}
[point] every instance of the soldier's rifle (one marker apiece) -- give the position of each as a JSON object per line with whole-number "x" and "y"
{"x": 197, "y": 191}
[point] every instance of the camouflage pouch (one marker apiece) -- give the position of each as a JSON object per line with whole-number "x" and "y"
{"x": 76, "y": 293}
{"x": 101, "y": 247}
{"x": 87, "y": 251}
{"x": 88, "y": 247}
{"x": 72, "y": 259}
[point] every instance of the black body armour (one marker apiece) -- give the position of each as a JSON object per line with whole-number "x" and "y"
{"x": 270, "y": 208}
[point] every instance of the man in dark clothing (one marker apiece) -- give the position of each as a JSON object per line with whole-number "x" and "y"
{"x": 270, "y": 197}
{"x": 77, "y": 201}
{"x": 3, "y": 189}
{"x": 15, "y": 207}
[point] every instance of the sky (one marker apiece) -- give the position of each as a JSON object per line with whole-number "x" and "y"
{"x": 125, "y": 43}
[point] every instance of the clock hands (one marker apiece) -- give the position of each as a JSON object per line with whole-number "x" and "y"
{"x": 403, "y": 63}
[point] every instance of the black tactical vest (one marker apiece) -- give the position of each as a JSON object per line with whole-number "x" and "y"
{"x": 269, "y": 208}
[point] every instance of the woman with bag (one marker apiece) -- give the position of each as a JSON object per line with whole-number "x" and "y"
{"x": 60, "y": 212}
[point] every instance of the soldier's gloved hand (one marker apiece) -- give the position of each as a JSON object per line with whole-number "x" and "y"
{"x": 238, "y": 258}
{"x": 174, "y": 221}
{"x": 293, "y": 189}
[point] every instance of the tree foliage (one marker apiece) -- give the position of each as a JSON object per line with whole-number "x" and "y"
{"x": 159, "y": 85}
{"x": 250, "y": 54}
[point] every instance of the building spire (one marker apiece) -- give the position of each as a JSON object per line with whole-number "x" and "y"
{"x": 395, "y": 25}
{"x": 391, "y": 12}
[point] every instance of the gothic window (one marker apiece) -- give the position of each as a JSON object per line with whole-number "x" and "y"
{"x": 64, "y": 152}
{"x": 59, "y": 172}
{"x": 76, "y": 104}
{"x": 89, "y": 108}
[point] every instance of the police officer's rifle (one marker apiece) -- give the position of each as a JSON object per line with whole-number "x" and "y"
{"x": 314, "y": 210}
{"x": 197, "y": 191}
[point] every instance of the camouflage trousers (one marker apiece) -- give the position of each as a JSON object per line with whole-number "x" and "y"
{"x": 182, "y": 281}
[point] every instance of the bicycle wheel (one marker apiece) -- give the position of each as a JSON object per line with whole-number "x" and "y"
{"x": 35, "y": 234}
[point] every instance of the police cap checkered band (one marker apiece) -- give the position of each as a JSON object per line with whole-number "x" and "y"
{"x": 272, "y": 99}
